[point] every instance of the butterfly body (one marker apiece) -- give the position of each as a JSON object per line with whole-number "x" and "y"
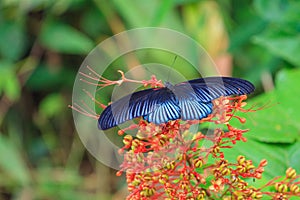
{"x": 188, "y": 100}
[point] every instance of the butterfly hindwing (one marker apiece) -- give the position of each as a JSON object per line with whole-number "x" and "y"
{"x": 192, "y": 109}
{"x": 167, "y": 109}
{"x": 190, "y": 106}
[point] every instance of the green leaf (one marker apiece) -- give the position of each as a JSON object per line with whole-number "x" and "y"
{"x": 132, "y": 12}
{"x": 280, "y": 12}
{"x": 93, "y": 23}
{"x": 243, "y": 33}
{"x": 294, "y": 156}
{"x": 161, "y": 11}
{"x": 271, "y": 10}
{"x": 12, "y": 39}
{"x": 52, "y": 105}
{"x": 9, "y": 83}
{"x": 11, "y": 161}
{"x": 59, "y": 183}
{"x": 270, "y": 124}
{"x": 155, "y": 13}
{"x": 281, "y": 37}
{"x": 278, "y": 122}
{"x": 287, "y": 86}
{"x": 43, "y": 78}
{"x": 282, "y": 45}
{"x": 64, "y": 38}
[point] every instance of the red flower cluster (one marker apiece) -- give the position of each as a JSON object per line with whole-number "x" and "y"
{"x": 170, "y": 162}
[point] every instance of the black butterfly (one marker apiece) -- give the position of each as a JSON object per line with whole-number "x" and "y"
{"x": 188, "y": 100}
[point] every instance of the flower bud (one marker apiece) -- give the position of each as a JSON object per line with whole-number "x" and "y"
{"x": 163, "y": 178}
{"x": 263, "y": 163}
{"x": 184, "y": 185}
{"x": 135, "y": 143}
{"x": 249, "y": 167}
{"x": 257, "y": 195}
{"x": 241, "y": 169}
{"x": 294, "y": 188}
{"x": 241, "y": 159}
{"x": 197, "y": 136}
{"x": 225, "y": 171}
{"x": 198, "y": 162}
{"x": 290, "y": 173}
{"x": 127, "y": 140}
{"x": 148, "y": 177}
{"x": 121, "y": 132}
{"x": 280, "y": 187}
{"x": 216, "y": 149}
{"x": 170, "y": 165}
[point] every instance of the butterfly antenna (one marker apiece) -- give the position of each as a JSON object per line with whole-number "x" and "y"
{"x": 169, "y": 73}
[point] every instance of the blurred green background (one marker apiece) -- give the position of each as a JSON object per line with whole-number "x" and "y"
{"x": 42, "y": 44}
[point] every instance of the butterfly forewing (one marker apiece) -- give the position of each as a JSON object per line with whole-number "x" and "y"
{"x": 126, "y": 108}
{"x": 211, "y": 88}
{"x": 142, "y": 103}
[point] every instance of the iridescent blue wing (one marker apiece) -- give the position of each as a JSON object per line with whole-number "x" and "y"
{"x": 167, "y": 109}
{"x": 188, "y": 100}
{"x": 192, "y": 109}
{"x": 207, "y": 89}
{"x": 195, "y": 96}
{"x": 126, "y": 108}
{"x": 150, "y": 103}
{"x": 190, "y": 106}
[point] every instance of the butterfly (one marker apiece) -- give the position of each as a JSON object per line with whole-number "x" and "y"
{"x": 190, "y": 100}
